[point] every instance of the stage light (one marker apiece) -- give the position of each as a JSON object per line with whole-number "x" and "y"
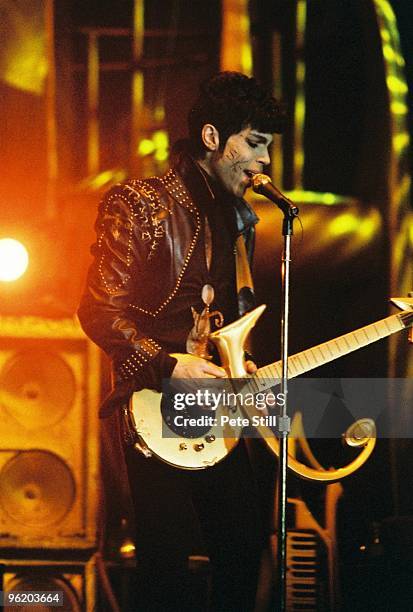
{"x": 14, "y": 259}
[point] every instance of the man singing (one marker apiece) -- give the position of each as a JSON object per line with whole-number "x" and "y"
{"x": 165, "y": 248}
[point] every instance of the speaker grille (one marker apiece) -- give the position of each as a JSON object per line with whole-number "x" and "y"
{"x": 37, "y": 488}
{"x": 44, "y": 582}
{"x": 37, "y": 388}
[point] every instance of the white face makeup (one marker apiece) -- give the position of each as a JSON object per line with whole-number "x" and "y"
{"x": 244, "y": 154}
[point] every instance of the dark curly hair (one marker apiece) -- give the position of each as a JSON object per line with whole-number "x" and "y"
{"x": 231, "y": 101}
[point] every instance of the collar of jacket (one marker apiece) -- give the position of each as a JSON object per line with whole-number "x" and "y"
{"x": 203, "y": 190}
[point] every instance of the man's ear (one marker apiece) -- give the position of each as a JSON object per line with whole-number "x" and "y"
{"x": 210, "y": 137}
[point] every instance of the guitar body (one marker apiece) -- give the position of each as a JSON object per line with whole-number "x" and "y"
{"x": 156, "y": 438}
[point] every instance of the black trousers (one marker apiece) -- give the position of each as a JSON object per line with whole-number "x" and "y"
{"x": 225, "y": 500}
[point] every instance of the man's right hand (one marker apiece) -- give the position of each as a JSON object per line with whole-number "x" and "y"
{"x": 191, "y": 366}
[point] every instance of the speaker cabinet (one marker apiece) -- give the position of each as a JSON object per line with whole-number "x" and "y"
{"x": 49, "y": 394}
{"x": 74, "y": 580}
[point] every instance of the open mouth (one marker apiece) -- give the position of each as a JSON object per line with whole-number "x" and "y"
{"x": 249, "y": 174}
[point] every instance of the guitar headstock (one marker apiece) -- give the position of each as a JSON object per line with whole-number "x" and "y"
{"x": 405, "y": 303}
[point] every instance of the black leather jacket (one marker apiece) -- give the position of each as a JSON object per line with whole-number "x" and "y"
{"x": 146, "y": 233}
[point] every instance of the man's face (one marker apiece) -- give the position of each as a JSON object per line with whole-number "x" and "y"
{"x": 245, "y": 154}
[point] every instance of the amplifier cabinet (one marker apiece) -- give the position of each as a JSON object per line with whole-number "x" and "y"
{"x": 49, "y": 465}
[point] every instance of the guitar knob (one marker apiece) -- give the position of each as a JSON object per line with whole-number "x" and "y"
{"x": 199, "y": 447}
{"x": 183, "y": 446}
{"x": 210, "y": 438}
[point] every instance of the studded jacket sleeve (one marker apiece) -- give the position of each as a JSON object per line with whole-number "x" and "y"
{"x": 113, "y": 278}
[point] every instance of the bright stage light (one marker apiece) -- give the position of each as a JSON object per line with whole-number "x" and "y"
{"x": 14, "y": 259}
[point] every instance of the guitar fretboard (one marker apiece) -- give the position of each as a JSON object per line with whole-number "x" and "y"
{"x": 327, "y": 351}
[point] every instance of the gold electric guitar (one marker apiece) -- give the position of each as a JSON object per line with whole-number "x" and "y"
{"x": 145, "y": 413}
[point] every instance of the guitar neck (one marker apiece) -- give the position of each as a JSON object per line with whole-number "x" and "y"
{"x": 333, "y": 349}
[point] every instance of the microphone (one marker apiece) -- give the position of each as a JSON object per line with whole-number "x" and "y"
{"x": 261, "y": 183}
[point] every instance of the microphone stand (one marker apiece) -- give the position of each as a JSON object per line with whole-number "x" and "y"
{"x": 261, "y": 183}
{"x": 284, "y": 420}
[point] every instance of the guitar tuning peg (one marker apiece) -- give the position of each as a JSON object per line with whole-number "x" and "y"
{"x": 410, "y": 336}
